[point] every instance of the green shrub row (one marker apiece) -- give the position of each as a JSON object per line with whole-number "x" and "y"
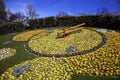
{"x": 42, "y": 22}
{"x": 11, "y": 27}
{"x": 66, "y": 21}
{"x": 50, "y": 21}
{"x": 103, "y": 21}
{"x": 36, "y": 23}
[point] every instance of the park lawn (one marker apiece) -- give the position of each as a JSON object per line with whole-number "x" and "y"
{"x": 20, "y": 56}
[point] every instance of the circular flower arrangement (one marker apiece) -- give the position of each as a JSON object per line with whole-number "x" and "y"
{"x": 105, "y": 61}
{"x": 25, "y": 35}
{"x": 81, "y": 42}
{"x": 6, "y": 52}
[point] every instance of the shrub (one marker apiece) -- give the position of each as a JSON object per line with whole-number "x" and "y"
{"x": 36, "y": 23}
{"x": 15, "y": 26}
{"x": 11, "y": 27}
{"x": 103, "y": 21}
{"x": 83, "y": 19}
{"x": 115, "y": 22}
{"x": 66, "y": 21}
{"x": 50, "y": 21}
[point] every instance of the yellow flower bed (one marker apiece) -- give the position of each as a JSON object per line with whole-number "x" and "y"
{"x": 41, "y": 69}
{"x": 84, "y": 40}
{"x": 25, "y": 35}
{"x": 6, "y": 52}
{"x": 103, "y": 62}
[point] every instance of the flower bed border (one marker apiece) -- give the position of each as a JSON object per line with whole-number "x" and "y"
{"x": 28, "y": 49}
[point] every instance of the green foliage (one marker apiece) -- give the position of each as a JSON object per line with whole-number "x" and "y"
{"x": 36, "y": 23}
{"x": 106, "y": 21}
{"x": 2, "y": 11}
{"x": 103, "y": 21}
{"x": 66, "y": 21}
{"x": 11, "y": 27}
{"x": 84, "y": 19}
{"x": 17, "y": 58}
{"x": 2, "y": 6}
{"x": 115, "y": 22}
{"x": 40, "y": 23}
{"x": 50, "y": 21}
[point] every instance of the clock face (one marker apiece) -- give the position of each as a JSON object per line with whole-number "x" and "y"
{"x": 46, "y": 43}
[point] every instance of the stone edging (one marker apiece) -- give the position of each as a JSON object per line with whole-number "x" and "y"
{"x": 28, "y": 49}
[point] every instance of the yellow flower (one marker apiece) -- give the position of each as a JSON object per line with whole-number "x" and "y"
{"x": 97, "y": 73}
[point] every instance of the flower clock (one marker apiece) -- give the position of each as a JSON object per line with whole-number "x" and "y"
{"x": 74, "y": 44}
{"x": 103, "y": 61}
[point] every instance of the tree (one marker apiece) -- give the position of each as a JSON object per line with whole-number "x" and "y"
{"x": 103, "y": 11}
{"x": 62, "y": 13}
{"x": 2, "y": 12}
{"x": 20, "y": 16}
{"x": 30, "y": 12}
{"x": 10, "y": 16}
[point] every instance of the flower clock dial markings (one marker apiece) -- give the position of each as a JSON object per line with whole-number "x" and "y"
{"x": 82, "y": 42}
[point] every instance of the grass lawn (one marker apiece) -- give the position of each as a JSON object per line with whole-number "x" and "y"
{"x": 102, "y": 64}
{"x": 21, "y": 55}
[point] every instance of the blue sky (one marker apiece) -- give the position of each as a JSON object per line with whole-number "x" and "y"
{"x": 52, "y": 7}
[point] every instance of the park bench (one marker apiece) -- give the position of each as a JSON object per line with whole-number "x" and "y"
{"x": 66, "y": 32}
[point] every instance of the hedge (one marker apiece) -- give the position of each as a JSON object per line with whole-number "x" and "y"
{"x": 103, "y": 21}
{"x": 66, "y": 21}
{"x": 36, "y": 23}
{"x": 50, "y": 21}
{"x": 11, "y": 27}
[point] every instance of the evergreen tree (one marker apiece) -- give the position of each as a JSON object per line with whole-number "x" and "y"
{"x": 2, "y": 12}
